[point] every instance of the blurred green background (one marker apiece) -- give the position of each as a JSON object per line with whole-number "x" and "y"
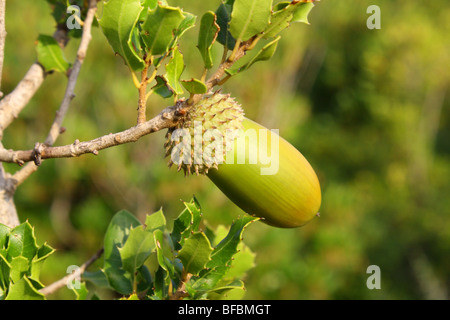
{"x": 368, "y": 108}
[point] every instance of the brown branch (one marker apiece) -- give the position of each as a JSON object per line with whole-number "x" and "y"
{"x": 56, "y": 128}
{"x": 168, "y": 118}
{"x": 69, "y": 278}
{"x": 13, "y": 103}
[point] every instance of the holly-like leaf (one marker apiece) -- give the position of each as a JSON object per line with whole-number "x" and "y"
{"x": 158, "y": 29}
{"x": 136, "y": 249}
{"x": 24, "y": 290}
{"x": 4, "y": 233}
{"x": 225, "y": 250}
{"x": 196, "y": 253}
{"x": 209, "y": 30}
{"x": 161, "y": 88}
{"x": 22, "y": 242}
{"x": 249, "y": 18}
{"x": 194, "y": 86}
{"x": 50, "y": 54}
{"x": 187, "y": 23}
{"x": 265, "y": 53}
{"x": 42, "y": 254}
{"x": 174, "y": 69}
{"x": 115, "y": 237}
{"x": 19, "y": 267}
{"x": 285, "y": 13}
{"x": 155, "y": 221}
{"x": 81, "y": 292}
{"x": 302, "y": 12}
{"x": 118, "y": 22}
{"x": 224, "y": 36}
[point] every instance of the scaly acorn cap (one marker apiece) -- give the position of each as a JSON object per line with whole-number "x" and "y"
{"x": 203, "y": 138}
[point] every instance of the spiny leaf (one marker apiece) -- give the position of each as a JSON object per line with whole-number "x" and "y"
{"x": 174, "y": 69}
{"x": 195, "y": 253}
{"x": 209, "y": 30}
{"x": 136, "y": 249}
{"x": 159, "y": 28}
{"x": 155, "y": 221}
{"x": 161, "y": 88}
{"x": 22, "y": 242}
{"x": 115, "y": 237}
{"x": 19, "y": 267}
{"x": 285, "y": 13}
{"x": 50, "y": 54}
{"x": 24, "y": 290}
{"x": 223, "y": 14}
{"x": 265, "y": 53}
{"x": 118, "y": 21}
{"x": 194, "y": 86}
{"x": 225, "y": 250}
{"x": 249, "y": 18}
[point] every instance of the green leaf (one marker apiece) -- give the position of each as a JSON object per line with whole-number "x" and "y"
{"x": 249, "y": 18}
{"x": 136, "y": 249}
{"x": 50, "y": 54}
{"x": 81, "y": 293}
{"x": 161, "y": 88}
{"x": 36, "y": 264}
{"x": 4, "y": 233}
{"x": 194, "y": 86}
{"x": 98, "y": 278}
{"x": 302, "y": 12}
{"x": 22, "y": 242}
{"x": 209, "y": 30}
{"x": 187, "y": 23}
{"x": 223, "y": 14}
{"x": 287, "y": 13}
{"x": 115, "y": 237}
{"x": 174, "y": 69}
{"x": 158, "y": 30}
{"x": 163, "y": 252}
{"x": 19, "y": 267}
{"x": 196, "y": 253}
{"x": 225, "y": 250}
{"x": 155, "y": 221}
{"x": 118, "y": 21}
{"x": 24, "y": 290}
{"x": 265, "y": 53}
{"x": 5, "y": 270}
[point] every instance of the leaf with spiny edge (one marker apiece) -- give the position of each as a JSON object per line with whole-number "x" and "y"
{"x": 284, "y": 13}
{"x": 159, "y": 28}
{"x": 196, "y": 253}
{"x": 249, "y": 18}
{"x": 209, "y": 30}
{"x": 265, "y": 53}
{"x": 118, "y": 21}
{"x": 174, "y": 69}
{"x": 194, "y": 86}
{"x": 224, "y": 36}
{"x": 50, "y": 54}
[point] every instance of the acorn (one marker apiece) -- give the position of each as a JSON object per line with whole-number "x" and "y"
{"x": 253, "y": 166}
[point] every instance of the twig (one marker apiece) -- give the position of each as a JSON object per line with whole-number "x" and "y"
{"x": 181, "y": 290}
{"x": 167, "y": 118}
{"x": 56, "y": 127}
{"x": 13, "y": 103}
{"x": 69, "y": 278}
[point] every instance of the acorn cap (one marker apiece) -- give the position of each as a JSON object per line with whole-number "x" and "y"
{"x": 202, "y": 140}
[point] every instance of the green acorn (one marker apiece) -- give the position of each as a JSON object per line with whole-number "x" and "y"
{"x": 259, "y": 171}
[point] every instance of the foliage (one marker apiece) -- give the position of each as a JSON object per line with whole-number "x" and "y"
{"x": 369, "y": 108}
{"x": 21, "y": 261}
